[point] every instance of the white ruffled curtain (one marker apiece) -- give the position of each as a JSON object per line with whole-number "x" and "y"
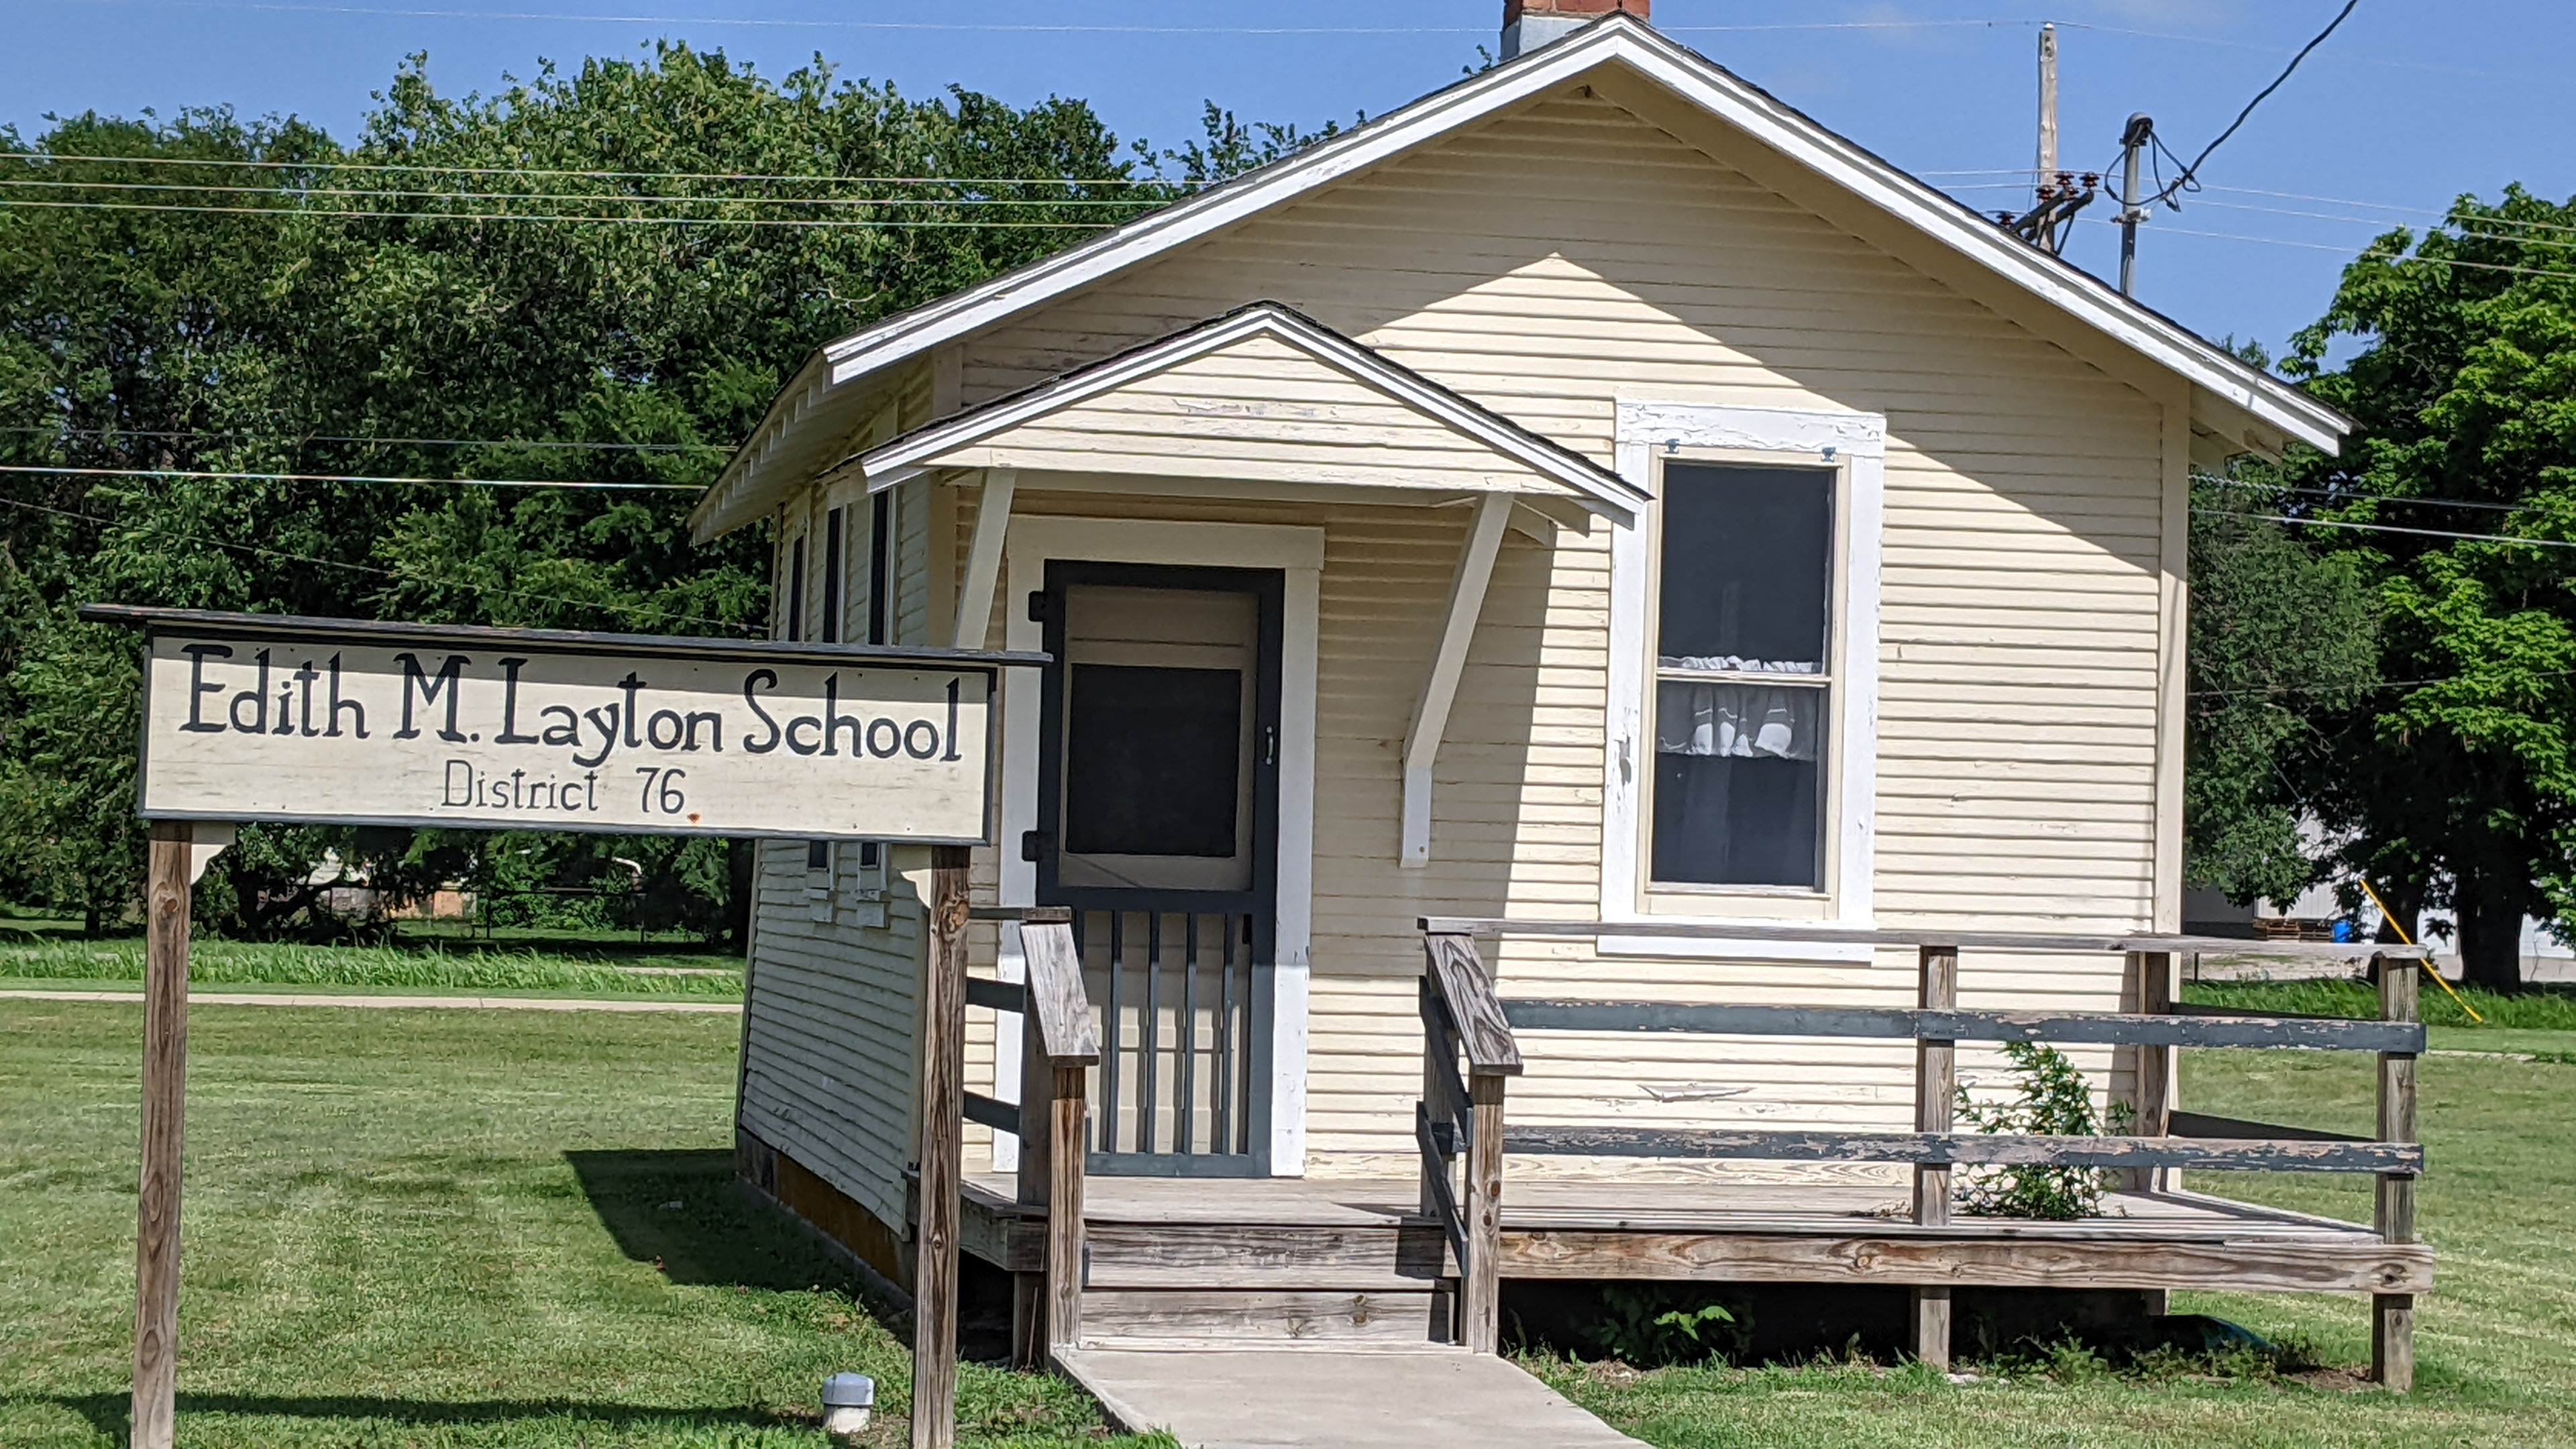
{"x": 1742, "y": 720}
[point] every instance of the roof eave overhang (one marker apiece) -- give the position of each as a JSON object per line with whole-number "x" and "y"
{"x": 744, "y": 491}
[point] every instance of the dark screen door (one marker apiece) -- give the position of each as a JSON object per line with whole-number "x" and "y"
{"x": 1158, "y": 802}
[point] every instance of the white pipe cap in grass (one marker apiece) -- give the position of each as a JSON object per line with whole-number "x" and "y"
{"x": 848, "y": 1402}
{"x": 849, "y": 1391}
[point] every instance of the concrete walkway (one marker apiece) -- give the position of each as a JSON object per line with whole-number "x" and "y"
{"x": 1386, "y": 1397}
{"x": 439, "y": 1003}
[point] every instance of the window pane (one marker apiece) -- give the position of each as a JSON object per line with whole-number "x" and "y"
{"x": 832, "y": 577}
{"x": 1152, "y": 759}
{"x": 1739, "y": 783}
{"x": 796, "y": 592}
{"x": 1746, "y": 561}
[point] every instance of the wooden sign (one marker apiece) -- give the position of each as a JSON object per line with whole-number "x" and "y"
{"x": 257, "y": 717}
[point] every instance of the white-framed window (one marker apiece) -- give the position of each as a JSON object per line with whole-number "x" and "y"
{"x": 1742, "y": 773}
{"x": 1744, "y": 657}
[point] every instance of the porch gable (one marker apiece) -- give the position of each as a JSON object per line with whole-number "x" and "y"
{"x": 1261, "y": 395}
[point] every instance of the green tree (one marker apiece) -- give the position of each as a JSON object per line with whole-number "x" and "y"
{"x": 2279, "y": 634}
{"x": 597, "y": 275}
{"x": 2455, "y": 785}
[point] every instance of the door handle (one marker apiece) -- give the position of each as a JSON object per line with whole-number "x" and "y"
{"x": 1033, "y": 845}
{"x": 1270, "y": 744}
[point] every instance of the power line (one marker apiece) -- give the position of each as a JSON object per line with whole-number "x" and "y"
{"x": 1077, "y": 28}
{"x": 2388, "y": 528}
{"x": 68, "y": 472}
{"x": 2461, "y": 223}
{"x": 2347, "y": 252}
{"x": 267, "y": 440}
{"x": 489, "y": 590}
{"x": 1253, "y": 31}
{"x": 604, "y": 197}
{"x": 428, "y": 168}
{"x": 2373, "y": 685}
{"x": 2447, "y": 216}
{"x": 2187, "y": 179}
{"x": 330, "y": 214}
{"x": 2331, "y": 494}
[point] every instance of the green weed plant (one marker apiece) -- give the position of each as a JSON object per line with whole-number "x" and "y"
{"x": 2052, "y": 1099}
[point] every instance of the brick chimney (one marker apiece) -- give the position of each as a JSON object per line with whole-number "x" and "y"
{"x": 1529, "y": 24}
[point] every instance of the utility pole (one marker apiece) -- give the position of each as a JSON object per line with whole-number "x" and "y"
{"x": 2057, "y": 195}
{"x": 2133, "y": 139}
{"x": 2047, "y": 105}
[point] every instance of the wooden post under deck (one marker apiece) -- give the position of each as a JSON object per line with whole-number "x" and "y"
{"x": 1058, "y": 1049}
{"x": 1936, "y": 1079}
{"x": 1064, "y": 1208}
{"x": 2151, "y": 1073}
{"x": 2392, "y": 1315}
{"x": 942, "y": 1111}
{"x": 1037, "y": 1129}
{"x": 1480, "y": 1291}
{"x": 165, "y": 1095}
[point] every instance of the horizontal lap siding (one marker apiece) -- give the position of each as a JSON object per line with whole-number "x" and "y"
{"x": 1541, "y": 265}
{"x": 1259, "y": 409}
{"x": 829, "y": 1046}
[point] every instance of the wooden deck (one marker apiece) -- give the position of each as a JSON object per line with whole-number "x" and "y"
{"x": 1142, "y": 1270}
{"x": 1294, "y": 1259}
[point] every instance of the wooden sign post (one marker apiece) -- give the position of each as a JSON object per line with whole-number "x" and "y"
{"x": 337, "y": 721}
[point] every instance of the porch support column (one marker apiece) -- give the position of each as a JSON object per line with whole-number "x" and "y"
{"x": 984, "y": 560}
{"x": 1431, "y": 715}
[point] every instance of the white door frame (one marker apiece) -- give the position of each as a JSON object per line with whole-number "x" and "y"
{"x": 1298, "y": 553}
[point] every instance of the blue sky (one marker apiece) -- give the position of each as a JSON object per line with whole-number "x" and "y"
{"x": 2410, "y": 104}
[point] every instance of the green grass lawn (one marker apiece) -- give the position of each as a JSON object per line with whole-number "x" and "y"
{"x": 467, "y": 1228}
{"x": 587, "y": 968}
{"x": 2539, "y": 1008}
{"x": 430, "y": 1228}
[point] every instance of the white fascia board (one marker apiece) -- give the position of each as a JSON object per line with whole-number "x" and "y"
{"x": 1686, "y": 74}
{"x": 733, "y": 499}
{"x": 2054, "y": 281}
{"x": 1597, "y": 490}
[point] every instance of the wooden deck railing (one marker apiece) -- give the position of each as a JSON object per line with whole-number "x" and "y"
{"x": 1461, "y": 1009}
{"x": 1059, "y": 1045}
{"x": 1465, "y": 1117}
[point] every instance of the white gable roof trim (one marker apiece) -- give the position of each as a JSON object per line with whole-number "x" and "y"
{"x": 1618, "y": 38}
{"x": 1597, "y": 489}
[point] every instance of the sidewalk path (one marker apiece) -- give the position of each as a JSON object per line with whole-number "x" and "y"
{"x": 441, "y": 1003}
{"x": 1392, "y": 1396}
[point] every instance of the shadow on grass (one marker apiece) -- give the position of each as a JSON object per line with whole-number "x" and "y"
{"x": 684, "y": 1213}
{"x": 107, "y": 1413}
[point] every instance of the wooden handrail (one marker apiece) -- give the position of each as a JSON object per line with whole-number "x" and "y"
{"x": 1461, "y": 1016}
{"x": 1059, "y": 1042}
{"x": 2173, "y": 1029}
{"x": 1457, "y": 976}
{"x": 1913, "y": 938}
{"x": 1065, "y": 1027}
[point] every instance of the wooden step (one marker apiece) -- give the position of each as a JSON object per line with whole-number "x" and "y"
{"x": 1166, "y": 1315}
{"x": 1234, "y": 1257}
